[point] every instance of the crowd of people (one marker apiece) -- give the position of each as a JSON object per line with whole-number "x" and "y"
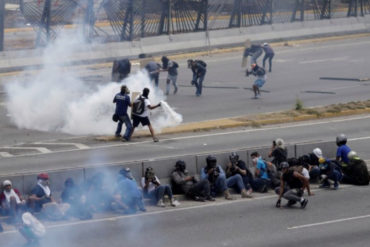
{"x": 288, "y": 177}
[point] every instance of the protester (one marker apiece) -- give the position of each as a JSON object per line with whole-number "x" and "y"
{"x": 198, "y": 67}
{"x": 122, "y": 100}
{"x": 140, "y": 112}
{"x": 260, "y": 75}
{"x": 237, "y": 167}
{"x": 261, "y": 180}
{"x": 128, "y": 195}
{"x": 172, "y": 68}
{"x": 11, "y": 200}
{"x": 121, "y": 69}
{"x": 356, "y": 172}
{"x": 153, "y": 70}
{"x": 155, "y": 191}
{"x": 74, "y": 196}
{"x": 254, "y": 51}
{"x": 40, "y": 194}
{"x": 216, "y": 176}
{"x": 278, "y": 152}
{"x": 190, "y": 185}
{"x": 98, "y": 196}
{"x": 292, "y": 186}
{"x": 310, "y": 162}
{"x": 31, "y": 229}
{"x": 342, "y": 150}
{"x": 269, "y": 54}
{"x": 329, "y": 170}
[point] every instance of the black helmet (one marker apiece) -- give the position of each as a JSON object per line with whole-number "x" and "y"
{"x": 211, "y": 161}
{"x": 234, "y": 157}
{"x": 180, "y": 165}
{"x": 341, "y": 140}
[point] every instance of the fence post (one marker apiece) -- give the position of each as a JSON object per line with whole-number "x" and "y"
{"x": 2, "y": 18}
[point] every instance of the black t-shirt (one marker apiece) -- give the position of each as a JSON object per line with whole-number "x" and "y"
{"x": 293, "y": 182}
{"x": 279, "y": 155}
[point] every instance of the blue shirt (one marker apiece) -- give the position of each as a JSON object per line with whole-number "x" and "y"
{"x": 342, "y": 152}
{"x": 128, "y": 188}
{"x": 122, "y": 102}
{"x": 261, "y": 166}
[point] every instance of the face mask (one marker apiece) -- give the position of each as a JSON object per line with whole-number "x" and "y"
{"x": 255, "y": 160}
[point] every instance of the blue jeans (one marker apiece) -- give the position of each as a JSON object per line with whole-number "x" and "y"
{"x": 159, "y": 192}
{"x": 235, "y": 182}
{"x": 259, "y": 183}
{"x": 336, "y": 176}
{"x": 219, "y": 186}
{"x": 124, "y": 119}
{"x": 198, "y": 81}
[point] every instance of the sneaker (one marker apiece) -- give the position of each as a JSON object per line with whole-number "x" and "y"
{"x": 245, "y": 194}
{"x": 324, "y": 186}
{"x": 199, "y": 199}
{"x": 174, "y": 203}
{"x": 155, "y": 139}
{"x": 228, "y": 195}
{"x": 210, "y": 198}
{"x": 117, "y": 135}
{"x": 161, "y": 203}
{"x": 336, "y": 186}
{"x": 142, "y": 209}
{"x": 304, "y": 203}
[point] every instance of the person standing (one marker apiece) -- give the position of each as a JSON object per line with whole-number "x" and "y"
{"x": 269, "y": 54}
{"x": 198, "y": 67}
{"x": 122, "y": 100}
{"x": 172, "y": 76}
{"x": 153, "y": 69}
{"x": 260, "y": 75}
{"x": 140, "y": 112}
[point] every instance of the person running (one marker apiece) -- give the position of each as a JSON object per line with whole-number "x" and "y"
{"x": 269, "y": 54}
{"x": 260, "y": 74}
{"x": 122, "y": 100}
{"x": 140, "y": 112}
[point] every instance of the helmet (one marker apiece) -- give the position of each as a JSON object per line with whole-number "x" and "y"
{"x": 341, "y": 139}
{"x": 322, "y": 160}
{"x": 211, "y": 160}
{"x": 180, "y": 165}
{"x": 351, "y": 154}
{"x": 284, "y": 164}
{"x": 265, "y": 44}
{"x": 234, "y": 157}
{"x": 317, "y": 152}
{"x": 279, "y": 142}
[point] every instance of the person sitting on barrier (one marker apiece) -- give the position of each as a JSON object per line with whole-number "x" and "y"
{"x": 11, "y": 201}
{"x": 262, "y": 180}
{"x": 98, "y": 195}
{"x": 342, "y": 150}
{"x": 236, "y": 167}
{"x": 216, "y": 176}
{"x": 356, "y": 171}
{"x": 329, "y": 170}
{"x": 127, "y": 194}
{"x": 292, "y": 186}
{"x": 190, "y": 185}
{"x": 72, "y": 194}
{"x": 278, "y": 152}
{"x": 40, "y": 194}
{"x": 155, "y": 191}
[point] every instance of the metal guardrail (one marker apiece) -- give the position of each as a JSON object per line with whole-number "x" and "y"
{"x": 132, "y": 19}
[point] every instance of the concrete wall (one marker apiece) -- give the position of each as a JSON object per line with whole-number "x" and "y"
{"x": 162, "y": 167}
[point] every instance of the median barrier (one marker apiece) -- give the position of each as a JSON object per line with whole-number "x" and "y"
{"x": 329, "y": 149}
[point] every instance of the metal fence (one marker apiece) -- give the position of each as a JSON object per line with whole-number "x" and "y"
{"x": 120, "y": 20}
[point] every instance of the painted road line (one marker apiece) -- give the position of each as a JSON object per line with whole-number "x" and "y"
{"x": 5, "y": 154}
{"x": 40, "y": 149}
{"x": 329, "y": 222}
{"x": 77, "y": 145}
{"x": 325, "y": 60}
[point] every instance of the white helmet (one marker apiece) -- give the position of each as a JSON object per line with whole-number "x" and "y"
{"x": 351, "y": 154}
{"x": 317, "y": 152}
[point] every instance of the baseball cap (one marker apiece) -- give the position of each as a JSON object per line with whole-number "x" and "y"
{"x": 44, "y": 176}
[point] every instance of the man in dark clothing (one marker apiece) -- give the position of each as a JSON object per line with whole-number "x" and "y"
{"x": 40, "y": 194}
{"x": 171, "y": 67}
{"x": 278, "y": 152}
{"x": 121, "y": 69}
{"x": 269, "y": 54}
{"x": 292, "y": 186}
{"x": 190, "y": 185}
{"x": 260, "y": 74}
{"x": 237, "y": 166}
{"x": 199, "y": 70}
{"x": 153, "y": 69}
{"x": 255, "y": 51}
{"x": 356, "y": 171}
{"x": 329, "y": 170}
{"x": 122, "y": 100}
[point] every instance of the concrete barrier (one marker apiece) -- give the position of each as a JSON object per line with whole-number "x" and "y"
{"x": 162, "y": 167}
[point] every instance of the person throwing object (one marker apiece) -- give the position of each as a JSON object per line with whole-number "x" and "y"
{"x": 260, "y": 74}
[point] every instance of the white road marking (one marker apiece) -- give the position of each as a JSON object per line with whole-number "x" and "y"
{"x": 329, "y": 222}
{"x": 6, "y": 154}
{"x": 77, "y": 145}
{"x": 334, "y": 59}
{"x": 40, "y": 149}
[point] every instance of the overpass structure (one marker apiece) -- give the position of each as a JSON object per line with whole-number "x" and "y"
{"x": 127, "y": 20}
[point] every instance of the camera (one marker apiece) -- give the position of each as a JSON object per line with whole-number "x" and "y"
{"x": 150, "y": 175}
{"x": 214, "y": 175}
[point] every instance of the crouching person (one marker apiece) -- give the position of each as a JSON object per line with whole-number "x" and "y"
{"x": 292, "y": 186}
{"x": 155, "y": 191}
{"x": 216, "y": 176}
{"x": 127, "y": 195}
{"x": 190, "y": 185}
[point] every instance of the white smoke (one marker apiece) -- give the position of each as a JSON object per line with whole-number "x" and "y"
{"x": 57, "y": 100}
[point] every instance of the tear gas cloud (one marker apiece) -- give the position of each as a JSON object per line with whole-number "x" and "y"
{"x": 57, "y": 100}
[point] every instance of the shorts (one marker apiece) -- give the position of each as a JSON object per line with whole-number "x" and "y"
{"x": 259, "y": 82}
{"x": 136, "y": 120}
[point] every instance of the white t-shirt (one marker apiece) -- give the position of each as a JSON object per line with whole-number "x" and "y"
{"x": 151, "y": 186}
{"x": 305, "y": 173}
{"x": 146, "y": 109}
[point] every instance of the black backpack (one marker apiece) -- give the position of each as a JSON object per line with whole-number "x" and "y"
{"x": 201, "y": 63}
{"x": 138, "y": 107}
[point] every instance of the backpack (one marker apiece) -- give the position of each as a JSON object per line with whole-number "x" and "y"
{"x": 202, "y": 63}
{"x": 138, "y": 107}
{"x": 261, "y": 71}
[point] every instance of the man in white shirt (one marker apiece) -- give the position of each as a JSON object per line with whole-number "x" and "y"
{"x": 140, "y": 112}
